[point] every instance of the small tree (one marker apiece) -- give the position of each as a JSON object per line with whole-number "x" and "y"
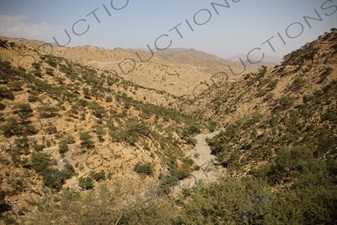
{"x": 108, "y": 99}
{"x": 87, "y": 142}
{"x": 47, "y": 111}
{"x": 11, "y": 127}
{"x": 100, "y": 131}
{"x": 50, "y": 71}
{"x": 144, "y": 168}
{"x": 53, "y": 178}
{"x": 40, "y": 161}
{"x": 51, "y": 129}
{"x": 86, "y": 183}
{"x": 97, "y": 176}
{"x": 63, "y": 147}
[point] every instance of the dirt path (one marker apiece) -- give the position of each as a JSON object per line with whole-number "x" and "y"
{"x": 201, "y": 154}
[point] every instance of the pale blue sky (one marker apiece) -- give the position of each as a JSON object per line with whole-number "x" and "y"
{"x": 238, "y": 29}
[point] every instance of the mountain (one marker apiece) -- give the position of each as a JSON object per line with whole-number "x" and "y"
{"x": 83, "y": 145}
{"x": 176, "y": 72}
{"x": 67, "y": 125}
{"x": 192, "y": 57}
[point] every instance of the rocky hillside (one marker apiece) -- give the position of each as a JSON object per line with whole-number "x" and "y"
{"x": 292, "y": 102}
{"x": 175, "y": 72}
{"x": 278, "y": 143}
{"x": 79, "y": 146}
{"x": 67, "y": 125}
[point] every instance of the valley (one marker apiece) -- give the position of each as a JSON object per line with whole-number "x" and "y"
{"x": 97, "y": 136}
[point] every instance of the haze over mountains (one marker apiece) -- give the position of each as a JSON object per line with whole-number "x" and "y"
{"x": 254, "y": 58}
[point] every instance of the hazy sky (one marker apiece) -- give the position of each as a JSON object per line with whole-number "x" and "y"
{"x": 224, "y": 31}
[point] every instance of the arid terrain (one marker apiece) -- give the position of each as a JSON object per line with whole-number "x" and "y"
{"x": 96, "y": 136}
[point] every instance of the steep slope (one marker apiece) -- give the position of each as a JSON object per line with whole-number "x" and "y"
{"x": 278, "y": 142}
{"x": 279, "y": 119}
{"x": 66, "y": 125}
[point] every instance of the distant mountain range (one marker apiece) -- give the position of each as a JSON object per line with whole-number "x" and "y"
{"x": 234, "y": 60}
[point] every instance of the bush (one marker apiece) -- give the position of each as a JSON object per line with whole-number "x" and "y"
{"x": 166, "y": 183}
{"x": 53, "y": 178}
{"x": 63, "y": 147}
{"x": 298, "y": 83}
{"x": 51, "y": 129}
{"x": 108, "y": 99}
{"x": 50, "y": 71}
{"x": 36, "y": 65}
{"x": 33, "y": 98}
{"x": 68, "y": 171}
{"x": 272, "y": 84}
{"x": 98, "y": 110}
{"x": 6, "y": 93}
{"x": 285, "y": 102}
{"x": 97, "y": 176}
{"x": 85, "y": 183}
{"x": 47, "y": 111}
{"x": 3, "y": 43}
{"x": 86, "y": 141}
{"x": 144, "y": 168}
{"x": 11, "y": 127}
{"x": 39, "y": 148}
{"x": 190, "y": 131}
{"x": 15, "y": 86}
{"x": 40, "y": 161}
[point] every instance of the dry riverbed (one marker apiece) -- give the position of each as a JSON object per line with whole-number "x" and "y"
{"x": 201, "y": 154}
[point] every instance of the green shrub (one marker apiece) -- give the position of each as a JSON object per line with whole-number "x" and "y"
{"x": 40, "y": 161}
{"x": 51, "y": 129}
{"x": 6, "y": 93}
{"x": 53, "y": 178}
{"x": 272, "y": 85}
{"x": 144, "y": 168}
{"x": 68, "y": 171}
{"x": 97, "y": 176}
{"x": 47, "y": 111}
{"x": 86, "y": 183}
{"x": 33, "y": 98}
{"x": 39, "y": 148}
{"x": 296, "y": 85}
{"x": 50, "y": 71}
{"x": 108, "y": 99}
{"x": 3, "y": 43}
{"x": 15, "y": 86}
{"x": 11, "y": 127}
{"x": 63, "y": 147}
{"x": 98, "y": 110}
{"x": 51, "y": 63}
{"x": 285, "y": 102}
{"x": 86, "y": 140}
{"x": 166, "y": 183}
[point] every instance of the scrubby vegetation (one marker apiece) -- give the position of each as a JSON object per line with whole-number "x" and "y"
{"x": 55, "y": 114}
{"x": 278, "y": 144}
